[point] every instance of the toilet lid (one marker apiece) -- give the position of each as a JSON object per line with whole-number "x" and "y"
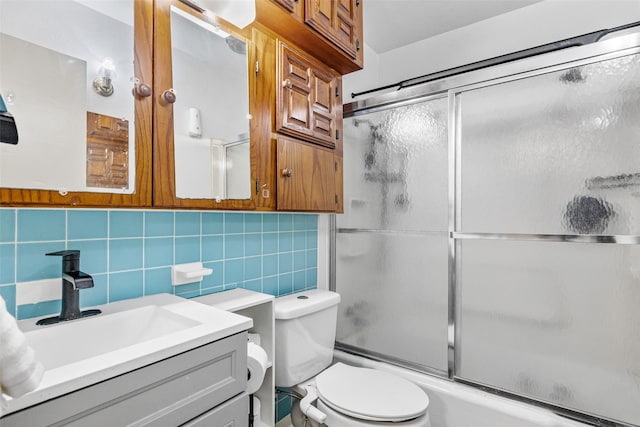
{"x": 369, "y": 394}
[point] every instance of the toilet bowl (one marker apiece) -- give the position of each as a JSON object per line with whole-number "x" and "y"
{"x": 336, "y": 395}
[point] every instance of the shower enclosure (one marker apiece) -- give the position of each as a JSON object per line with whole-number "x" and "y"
{"x": 491, "y": 232}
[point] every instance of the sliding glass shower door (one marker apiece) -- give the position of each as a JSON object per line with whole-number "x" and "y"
{"x": 549, "y": 170}
{"x": 492, "y": 231}
{"x": 393, "y": 238}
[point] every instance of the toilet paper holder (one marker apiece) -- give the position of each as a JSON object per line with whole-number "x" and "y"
{"x": 257, "y": 365}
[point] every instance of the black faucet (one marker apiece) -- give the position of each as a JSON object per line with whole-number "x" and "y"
{"x": 72, "y": 281}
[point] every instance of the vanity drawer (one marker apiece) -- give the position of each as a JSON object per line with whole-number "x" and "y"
{"x": 167, "y": 393}
{"x": 234, "y": 413}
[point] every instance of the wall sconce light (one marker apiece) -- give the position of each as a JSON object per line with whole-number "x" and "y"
{"x": 106, "y": 73}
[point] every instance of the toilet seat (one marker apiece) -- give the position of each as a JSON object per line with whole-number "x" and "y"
{"x": 369, "y": 394}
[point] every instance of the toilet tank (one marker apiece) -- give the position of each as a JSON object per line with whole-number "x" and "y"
{"x": 305, "y": 333}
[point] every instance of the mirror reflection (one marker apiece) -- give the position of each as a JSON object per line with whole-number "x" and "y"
{"x": 66, "y": 74}
{"x": 211, "y": 111}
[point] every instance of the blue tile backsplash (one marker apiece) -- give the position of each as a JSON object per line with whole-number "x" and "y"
{"x": 129, "y": 253}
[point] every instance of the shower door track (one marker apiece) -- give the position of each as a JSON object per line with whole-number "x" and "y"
{"x": 450, "y": 87}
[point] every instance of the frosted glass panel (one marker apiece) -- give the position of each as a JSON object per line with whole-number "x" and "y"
{"x": 553, "y": 321}
{"x": 396, "y": 175}
{"x": 394, "y": 295}
{"x": 554, "y": 153}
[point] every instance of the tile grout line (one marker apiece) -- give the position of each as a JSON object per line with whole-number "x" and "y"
{"x": 108, "y": 256}
{"x": 144, "y": 260}
{"x": 201, "y": 219}
{"x": 15, "y": 261}
{"x": 173, "y": 250}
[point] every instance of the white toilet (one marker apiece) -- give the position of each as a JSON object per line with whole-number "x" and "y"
{"x": 305, "y": 330}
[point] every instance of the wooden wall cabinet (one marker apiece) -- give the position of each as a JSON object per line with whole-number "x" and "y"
{"x": 295, "y": 101}
{"x": 301, "y": 154}
{"x": 331, "y": 30}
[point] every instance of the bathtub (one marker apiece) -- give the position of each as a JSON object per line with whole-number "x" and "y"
{"x": 458, "y": 405}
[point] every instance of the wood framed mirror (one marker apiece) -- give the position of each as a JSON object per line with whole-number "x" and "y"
{"x": 78, "y": 86}
{"x": 203, "y": 142}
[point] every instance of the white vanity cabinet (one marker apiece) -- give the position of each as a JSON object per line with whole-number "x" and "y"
{"x": 203, "y": 386}
{"x": 259, "y": 307}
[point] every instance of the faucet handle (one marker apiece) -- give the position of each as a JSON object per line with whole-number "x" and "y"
{"x": 73, "y": 253}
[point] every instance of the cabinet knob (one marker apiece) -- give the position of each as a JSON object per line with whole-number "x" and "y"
{"x": 286, "y": 172}
{"x": 169, "y": 96}
{"x": 287, "y": 84}
{"x": 142, "y": 90}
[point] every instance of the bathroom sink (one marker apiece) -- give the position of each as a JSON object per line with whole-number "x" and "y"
{"x": 127, "y": 335}
{"x": 72, "y": 341}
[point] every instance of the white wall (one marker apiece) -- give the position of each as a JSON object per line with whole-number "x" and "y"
{"x": 535, "y": 25}
{"x": 364, "y": 79}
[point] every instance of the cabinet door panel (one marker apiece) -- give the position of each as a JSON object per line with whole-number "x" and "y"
{"x": 321, "y": 93}
{"x": 298, "y": 71}
{"x": 322, "y": 125}
{"x": 344, "y": 26}
{"x": 335, "y": 20}
{"x": 308, "y": 101}
{"x": 298, "y": 108}
{"x": 306, "y": 177}
{"x": 320, "y": 13}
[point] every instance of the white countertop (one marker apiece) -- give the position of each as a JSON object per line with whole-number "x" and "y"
{"x": 205, "y": 325}
{"x": 234, "y": 299}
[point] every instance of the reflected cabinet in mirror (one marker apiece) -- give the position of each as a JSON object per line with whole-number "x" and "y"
{"x": 75, "y": 110}
{"x": 202, "y": 140}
